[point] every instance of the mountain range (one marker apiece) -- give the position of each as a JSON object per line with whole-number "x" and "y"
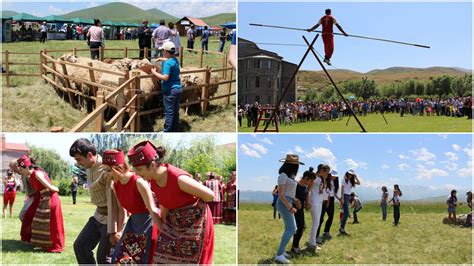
{"x": 123, "y": 12}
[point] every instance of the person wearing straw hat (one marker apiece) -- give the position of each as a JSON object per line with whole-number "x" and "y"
{"x": 286, "y": 198}
{"x": 350, "y": 181}
{"x": 184, "y": 211}
{"x": 171, "y": 86}
{"x": 328, "y": 21}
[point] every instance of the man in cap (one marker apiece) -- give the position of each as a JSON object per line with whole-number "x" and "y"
{"x": 44, "y": 32}
{"x": 328, "y": 21}
{"x": 170, "y": 85}
{"x": 144, "y": 39}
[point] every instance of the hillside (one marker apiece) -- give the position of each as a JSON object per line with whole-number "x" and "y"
{"x": 318, "y": 80}
{"x": 220, "y": 19}
{"x": 9, "y": 13}
{"x": 120, "y": 12}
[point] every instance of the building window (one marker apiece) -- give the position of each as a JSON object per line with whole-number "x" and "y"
{"x": 258, "y": 63}
{"x": 246, "y": 82}
{"x": 269, "y": 82}
{"x": 269, "y": 64}
{"x": 257, "y": 82}
{"x": 247, "y": 64}
{"x": 269, "y": 99}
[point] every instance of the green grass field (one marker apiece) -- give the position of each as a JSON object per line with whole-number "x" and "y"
{"x": 421, "y": 237}
{"x": 45, "y": 109}
{"x": 376, "y": 123}
{"x": 75, "y": 217}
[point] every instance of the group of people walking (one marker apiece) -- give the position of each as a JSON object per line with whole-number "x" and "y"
{"x": 146, "y": 212}
{"x": 317, "y": 192}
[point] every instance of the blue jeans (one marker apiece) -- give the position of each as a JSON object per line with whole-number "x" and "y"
{"x": 221, "y": 46}
{"x": 290, "y": 224}
{"x": 384, "y": 211}
{"x": 346, "y": 211}
{"x": 356, "y": 210}
{"x": 204, "y": 45}
{"x": 171, "y": 110}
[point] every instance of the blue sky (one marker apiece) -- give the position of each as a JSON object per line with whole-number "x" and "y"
{"x": 178, "y": 8}
{"x": 62, "y": 142}
{"x": 446, "y": 27}
{"x": 437, "y": 162}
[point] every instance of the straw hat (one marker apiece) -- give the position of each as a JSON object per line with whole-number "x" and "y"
{"x": 291, "y": 159}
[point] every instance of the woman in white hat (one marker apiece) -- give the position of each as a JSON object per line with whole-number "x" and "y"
{"x": 170, "y": 86}
{"x": 286, "y": 195}
{"x": 328, "y": 206}
{"x": 350, "y": 181}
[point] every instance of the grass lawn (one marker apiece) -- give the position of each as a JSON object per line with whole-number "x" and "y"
{"x": 75, "y": 217}
{"x": 421, "y": 237}
{"x": 46, "y": 109}
{"x": 376, "y": 123}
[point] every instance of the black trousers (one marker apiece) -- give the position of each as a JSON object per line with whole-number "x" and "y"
{"x": 74, "y": 193}
{"x": 43, "y": 37}
{"x": 328, "y": 208}
{"x": 142, "y": 51}
{"x": 92, "y": 234}
{"x": 300, "y": 226}
{"x": 95, "y": 52}
{"x": 396, "y": 214}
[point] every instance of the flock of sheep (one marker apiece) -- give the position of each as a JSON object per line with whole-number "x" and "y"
{"x": 143, "y": 67}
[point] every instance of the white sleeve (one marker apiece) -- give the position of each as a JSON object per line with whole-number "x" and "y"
{"x": 282, "y": 179}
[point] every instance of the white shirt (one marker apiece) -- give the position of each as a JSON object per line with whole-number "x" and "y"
{"x": 317, "y": 197}
{"x": 289, "y": 184}
{"x": 175, "y": 39}
{"x": 346, "y": 186}
{"x": 331, "y": 189}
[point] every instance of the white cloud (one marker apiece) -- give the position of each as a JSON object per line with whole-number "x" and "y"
{"x": 354, "y": 164}
{"x": 267, "y": 141}
{"x": 403, "y": 157}
{"x": 298, "y": 149}
{"x": 468, "y": 152}
{"x": 451, "y": 156}
{"x": 456, "y": 147}
{"x": 249, "y": 152}
{"x": 403, "y": 166}
{"x": 428, "y": 174}
{"x": 182, "y": 8}
{"x": 466, "y": 171}
{"x": 443, "y": 136}
{"x": 445, "y": 187}
{"x": 424, "y": 155}
{"x": 384, "y": 166}
{"x": 260, "y": 179}
{"x": 92, "y": 4}
{"x": 258, "y": 147}
{"x": 393, "y": 179}
{"x": 56, "y": 10}
{"x": 328, "y": 138}
{"x": 390, "y": 151}
{"x": 450, "y": 165}
{"x": 324, "y": 154}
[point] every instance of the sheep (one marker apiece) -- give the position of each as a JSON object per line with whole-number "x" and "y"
{"x": 193, "y": 79}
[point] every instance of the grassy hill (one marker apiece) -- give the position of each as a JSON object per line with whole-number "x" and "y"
{"x": 220, "y": 19}
{"x": 9, "y": 13}
{"x": 120, "y": 12}
{"x": 123, "y": 12}
{"x": 319, "y": 81}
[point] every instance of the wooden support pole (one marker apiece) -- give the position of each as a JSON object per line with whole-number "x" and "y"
{"x": 229, "y": 87}
{"x": 145, "y": 53}
{"x": 224, "y": 64}
{"x": 125, "y": 52}
{"x": 181, "y": 54}
{"x": 74, "y": 51}
{"x": 92, "y": 79}
{"x": 101, "y": 53}
{"x": 201, "y": 58}
{"x": 135, "y": 127}
{"x": 204, "y": 93}
{"x": 53, "y": 66}
{"x": 99, "y": 121}
{"x": 68, "y": 84}
{"x": 7, "y": 68}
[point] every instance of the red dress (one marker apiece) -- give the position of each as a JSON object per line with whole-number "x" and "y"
{"x": 328, "y": 38}
{"x": 230, "y": 203}
{"x": 56, "y": 237}
{"x": 215, "y": 206}
{"x": 181, "y": 205}
{"x": 140, "y": 234}
{"x": 9, "y": 194}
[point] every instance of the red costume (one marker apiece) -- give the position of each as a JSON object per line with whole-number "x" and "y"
{"x": 327, "y": 23}
{"x": 9, "y": 194}
{"x": 230, "y": 202}
{"x": 215, "y": 205}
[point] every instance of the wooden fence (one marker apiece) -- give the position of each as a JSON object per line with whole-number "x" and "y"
{"x": 129, "y": 81}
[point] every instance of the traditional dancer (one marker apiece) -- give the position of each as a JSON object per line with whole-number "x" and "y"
{"x": 9, "y": 193}
{"x": 134, "y": 194}
{"x": 215, "y": 205}
{"x": 187, "y": 234}
{"x": 43, "y": 221}
{"x": 108, "y": 218}
{"x": 230, "y": 204}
